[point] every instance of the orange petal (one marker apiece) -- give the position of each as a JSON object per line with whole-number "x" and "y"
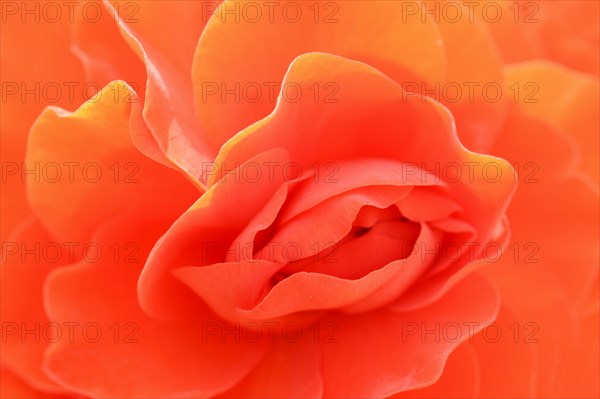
{"x": 583, "y": 368}
{"x": 14, "y": 388}
{"x": 479, "y": 114}
{"x": 329, "y": 222}
{"x": 337, "y": 178}
{"x": 437, "y": 63}
{"x": 566, "y": 32}
{"x": 508, "y": 356}
{"x": 104, "y": 53}
{"x": 289, "y": 370}
{"x": 203, "y": 235}
{"x": 546, "y": 274}
{"x": 515, "y": 30}
{"x": 544, "y": 173}
{"x": 374, "y": 119}
{"x": 303, "y": 291}
{"x": 55, "y": 65}
{"x": 225, "y": 287}
{"x": 381, "y": 353}
{"x": 267, "y": 46}
{"x": 168, "y": 108}
{"x": 27, "y": 87}
{"x": 126, "y": 354}
{"x": 566, "y": 100}
{"x": 352, "y": 259}
{"x": 107, "y": 173}
{"x": 570, "y": 32}
{"x": 536, "y": 329}
{"x": 460, "y": 379}
{"x": 27, "y": 258}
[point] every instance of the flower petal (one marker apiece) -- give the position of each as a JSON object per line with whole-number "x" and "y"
{"x": 373, "y": 120}
{"x": 266, "y": 47}
{"x": 203, "y": 235}
{"x": 27, "y": 258}
{"x": 574, "y": 206}
{"x": 86, "y": 160}
{"x": 127, "y": 354}
{"x": 377, "y": 355}
{"x": 565, "y": 32}
{"x": 24, "y": 84}
{"x": 168, "y": 108}
{"x": 291, "y": 369}
{"x": 14, "y": 388}
{"x": 566, "y": 100}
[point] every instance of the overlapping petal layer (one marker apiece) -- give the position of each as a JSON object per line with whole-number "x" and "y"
{"x": 87, "y": 160}
{"x": 168, "y": 106}
{"x": 356, "y": 30}
{"x": 126, "y": 347}
{"x": 26, "y": 88}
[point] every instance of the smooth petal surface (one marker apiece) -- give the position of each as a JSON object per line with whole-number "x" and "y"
{"x": 14, "y": 388}
{"x": 563, "y": 31}
{"x": 126, "y": 353}
{"x": 291, "y": 369}
{"x": 168, "y": 107}
{"x": 536, "y": 330}
{"x": 565, "y": 99}
{"x": 575, "y": 209}
{"x": 102, "y": 50}
{"x": 546, "y": 275}
{"x": 436, "y": 63}
{"x": 352, "y": 175}
{"x": 27, "y": 87}
{"x": 268, "y": 45}
{"x": 377, "y": 356}
{"x": 86, "y": 160}
{"x": 479, "y": 112}
{"x": 27, "y": 258}
{"x": 226, "y": 287}
{"x": 203, "y": 235}
{"x": 459, "y": 380}
{"x": 329, "y": 222}
{"x": 397, "y": 129}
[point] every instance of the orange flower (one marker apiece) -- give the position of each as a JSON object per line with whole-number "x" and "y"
{"x": 300, "y": 199}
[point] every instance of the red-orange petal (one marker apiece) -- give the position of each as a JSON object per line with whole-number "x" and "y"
{"x": 27, "y": 258}
{"x": 203, "y": 234}
{"x": 563, "y": 31}
{"x": 291, "y": 369}
{"x": 267, "y": 46}
{"x": 168, "y": 107}
{"x": 117, "y": 350}
{"x": 566, "y": 100}
{"x": 55, "y": 77}
{"x": 86, "y": 160}
{"x": 382, "y": 353}
{"x": 14, "y": 388}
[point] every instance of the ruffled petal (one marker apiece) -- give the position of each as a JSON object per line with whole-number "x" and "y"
{"x": 14, "y": 388}
{"x": 382, "y": 353}
{"x": 566, "y": 100}
{"x": 546, "y": 274}
{"x": 28, "y": 256}
{"x": 544, "y": 172}
{"x": 566, "y": 32}
{"x": 168, "y": 107}
{"x": 86, "y": 160}
{"x": 398, "y": 128}
{"x": 267, "y": 46}
{"x": 291, "y": 369}
{"x": 204, "y": 234}
{"x": 116, "y": 349}
{"x": 54, "y": 78}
